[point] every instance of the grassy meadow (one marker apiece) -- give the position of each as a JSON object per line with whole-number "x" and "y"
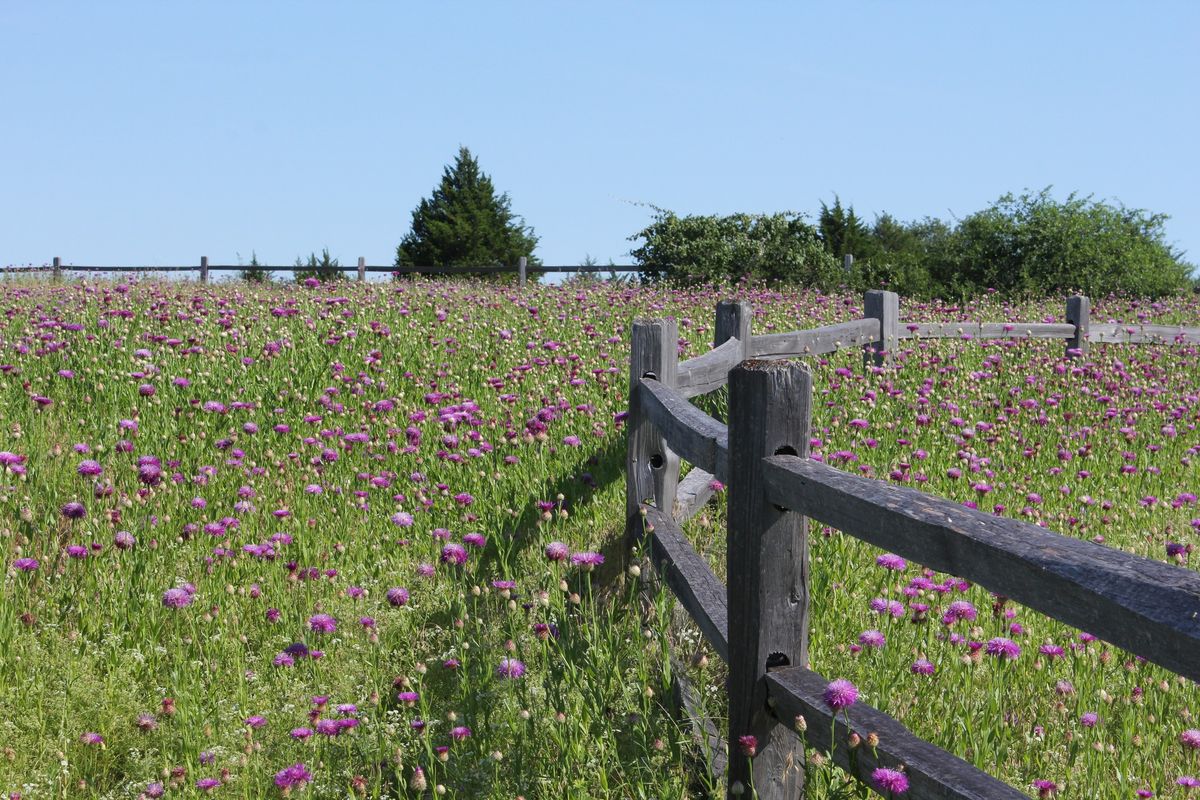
{"x": 365, "y": 540}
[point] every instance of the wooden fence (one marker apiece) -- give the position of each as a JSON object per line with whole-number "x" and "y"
{"x": 758, "y": 622}
{"x": 521, "y": 270}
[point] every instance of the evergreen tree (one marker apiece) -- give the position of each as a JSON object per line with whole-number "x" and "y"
{"x": 466, "y": 224}
{"x": 323, "y": 268}
{"x": 253, "y": 275}
{"x": 843, "y": 233}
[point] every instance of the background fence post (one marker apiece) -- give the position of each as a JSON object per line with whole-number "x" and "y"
{"x": 204, "y": 269}
{"x": 362, "y": 269}
{"x": 848, "y": 262}
{"x": 767, "y": 562}
{"x": 651, "y": 469}
{"x": 885, "y": 307}
{"x": 521, "y": 262}
{"x": 57, "y": 276}
{"x": 733, "y": 322}
{"x": 1079, "y": 311}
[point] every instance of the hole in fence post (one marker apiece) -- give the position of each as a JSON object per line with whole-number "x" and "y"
{"x": 657, "y": 461}
{"x": 777, "y": 661}
{"x": 650, "y": 375}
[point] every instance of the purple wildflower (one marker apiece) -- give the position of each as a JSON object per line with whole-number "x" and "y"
{"x": 454, "y": 554}
{"x": 840, "y": 694}
{"x": 1003, "y": 648}
{"x": 890, "y": 780}
{"x": 293, "y": 777}
{"x": 587, "y": 560}
{"x": 176, "y": 598}
{"x": 510, "y": 668}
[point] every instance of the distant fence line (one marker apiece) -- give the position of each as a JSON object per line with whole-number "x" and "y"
{"x": 521, "y": 270}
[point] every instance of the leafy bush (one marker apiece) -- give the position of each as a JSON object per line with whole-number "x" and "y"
{"x": 1031, "y": 244}
{"x": 700, "y": 249}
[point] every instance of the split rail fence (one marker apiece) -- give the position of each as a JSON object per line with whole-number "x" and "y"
{"x": 204, "y": 269}
{"x": 758, "y": 622}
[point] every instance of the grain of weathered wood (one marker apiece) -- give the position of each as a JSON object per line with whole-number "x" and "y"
{"x": 362, "y": 269}
{"x": 884, "y": 308}
{"x": 987, "y": 330}
{"x": 687, "y": 430}
{"x": 1143, "y": 334}
{"x": 1148, "y": 607}
{"x": 690, "y": 579}
{"x": 767, "y": 564}
{"x": 933, "y": 773}
{"x": 816, "y": 341}
{"x": 1079, "y": 310}
{"x": 692, "y": 493}
{"x": 710, "y": 371}
{"x": 204, "y": 269}
{"x": 651, "y": 469}
{"x": 522, "y": 263}
{"x": 57, "y": 275}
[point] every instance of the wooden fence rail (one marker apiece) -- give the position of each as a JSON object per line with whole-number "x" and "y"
{"x": 758, "y": 622}
{"x": 521, "y": 269}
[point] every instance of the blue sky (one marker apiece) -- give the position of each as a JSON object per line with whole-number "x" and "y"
{"x": 154, "y": 133}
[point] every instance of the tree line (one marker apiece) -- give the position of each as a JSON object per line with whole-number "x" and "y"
{"x": 1026, "y": 244}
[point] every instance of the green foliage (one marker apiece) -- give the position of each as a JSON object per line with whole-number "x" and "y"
{"x": 465, "y": 223}
{"x": 323, "y": 269}
{"x": 699, "y": 249}
{"x": 843, "y": 232}
{"x": 253, "y": 275}
{"x": 1032, "y": 244}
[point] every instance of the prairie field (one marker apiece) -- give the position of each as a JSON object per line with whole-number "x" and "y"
{"x": 366, "y": 540}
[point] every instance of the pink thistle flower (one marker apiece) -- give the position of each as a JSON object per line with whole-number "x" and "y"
{"x": 322, "y": 623}
{"x": 890, "y": 780}
{"x": 293, "y": 777}
{"x": 176, "y": 598}
{"x": 510, "y": 668}
{"x": 840, "y": 694}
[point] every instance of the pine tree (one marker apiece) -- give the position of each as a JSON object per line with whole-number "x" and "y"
{"x": 253, "y": 275}
{"x": 466, "y": 224}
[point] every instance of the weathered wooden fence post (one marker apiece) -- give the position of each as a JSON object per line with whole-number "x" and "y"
{"x": 204, "y": 269}
{"x": 362, "y": 269}
{"x": 848, "y": 262}
{"x": 1079, "y": 311}
{"x": 651, "y": 469}
{"x": 767, "y": 583}
{"x": 57, "y": 274}
{"x": 885, "y": 307}
{"x": 521, "y": 263}
{"x": 733, "y": 322}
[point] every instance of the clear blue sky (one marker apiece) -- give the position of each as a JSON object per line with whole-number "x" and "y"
{"x": 154, "y": 133}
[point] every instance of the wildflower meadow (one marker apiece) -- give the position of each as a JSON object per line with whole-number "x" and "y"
{"x": 337, "y": 540}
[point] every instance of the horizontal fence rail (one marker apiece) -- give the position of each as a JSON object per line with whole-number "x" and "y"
{"x": 520, "y": 270}
{"x": 933, "y": 773}
{"x": 758, "y": 622}
{"x": 1150, "y": 608}
{"x": 817, "y": 341}
{"x": 689, "y": 432}
{"x": 988, "y": 330}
